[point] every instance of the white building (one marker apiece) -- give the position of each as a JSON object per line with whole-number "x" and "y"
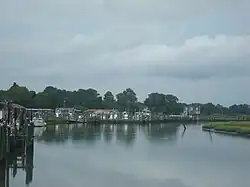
{"x": 69, "y": 113}
{"x": 191, "y": 111}
{"x": 102, "y": 113}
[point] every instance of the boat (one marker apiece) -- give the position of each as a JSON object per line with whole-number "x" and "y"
{"x": 39, "y": 121}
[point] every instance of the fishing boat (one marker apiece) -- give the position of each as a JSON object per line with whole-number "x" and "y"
{"x": 39, "y": 121}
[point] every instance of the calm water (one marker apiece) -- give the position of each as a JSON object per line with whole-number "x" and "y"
{"x": 137, "y": 156}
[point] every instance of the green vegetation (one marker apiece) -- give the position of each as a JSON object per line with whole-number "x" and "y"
{"x": 52, "y": 97}
{"x": 233, "y": 126}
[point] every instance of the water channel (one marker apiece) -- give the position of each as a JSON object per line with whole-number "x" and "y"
{"x": 136, "y": 156}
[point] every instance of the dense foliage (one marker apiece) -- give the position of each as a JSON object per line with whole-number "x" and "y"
{"x": 127, "y": 100}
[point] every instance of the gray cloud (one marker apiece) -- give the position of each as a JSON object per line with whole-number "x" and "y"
{"x": 139, "y": 44}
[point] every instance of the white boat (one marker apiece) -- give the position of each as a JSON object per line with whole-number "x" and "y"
{"x": 39, "y": 131}
{"x": 39, "y": 121}
{"x": 125, "y": 115}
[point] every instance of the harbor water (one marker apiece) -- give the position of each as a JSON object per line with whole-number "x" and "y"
{"x": 161, "y": 155}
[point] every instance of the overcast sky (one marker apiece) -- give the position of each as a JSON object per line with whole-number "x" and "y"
{"x": 198, "y": 50}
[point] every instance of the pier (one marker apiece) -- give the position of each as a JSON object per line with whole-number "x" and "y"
{"x": 113, "y": 116}
{"x": 21, "y": 160}
{"x": 16, "y": 130}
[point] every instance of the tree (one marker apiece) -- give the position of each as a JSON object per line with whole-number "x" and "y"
{"x": 127, "y": 100}
{"x": 52, "y": 97}
{"x": 156, "y": 102}
{"x": 42, "y": 100}
{"x": 168, "y": 104}
{"x": 109, "y": 100}
{"x": 18, "y": 94}
{"x": 92, "y": 99}
{"x": 242, "y": 109}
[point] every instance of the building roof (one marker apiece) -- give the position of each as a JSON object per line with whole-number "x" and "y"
{"x": 39, "y": 109}
{"x": 65, "y": 108}
{"x": 14, "y": 105}
{"x": 100, "y": 110}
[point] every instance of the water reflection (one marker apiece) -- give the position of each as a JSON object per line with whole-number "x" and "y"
{"x": 55, "y": 133}
{"x": 153, "y": 157}
{"x": 21, "y": 160}
{"x": 108, "y": 133}
{"x": 86, "y": 132}
{"x": 161, "y": 133}
{"x": 126, "y": 134}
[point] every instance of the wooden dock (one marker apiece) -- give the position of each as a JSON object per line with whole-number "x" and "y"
{"x": 21, "y": 160}
{"x": 16, "y": 130}
{"x": 16, "y": 142}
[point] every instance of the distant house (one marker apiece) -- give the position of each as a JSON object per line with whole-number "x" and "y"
{"x": 68, "y": 113}
{"x": 60, "y": 112}
{"x": 146, "y": 112}
{"x": 190, "y": 111}
{"x": 102, "y": 113}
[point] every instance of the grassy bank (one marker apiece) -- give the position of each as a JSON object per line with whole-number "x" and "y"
{"x": 233, "y": 127}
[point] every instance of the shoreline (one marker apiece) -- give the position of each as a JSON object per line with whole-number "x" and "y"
{"x": 94, "y": 122}
{"x": 235, "y": 128}
{"x": 120, "y": 121}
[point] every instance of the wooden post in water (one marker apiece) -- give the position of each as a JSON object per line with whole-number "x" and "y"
{"x": 7, "y": 173}
{"x": 22, "y": 129}
{"x": 185, "y": 128}
{"x": 4, "y": 141}
{"x": 29, "y": 156}
{"x": 31, "y": 115}
{"x": 2, "y": 138}
{"x": 8, "y": 139}
{"x": 30, "y": 133}
{"x": 14, "y": 135}
{"x": 3, "y": 173}
{"x": 14, "y": 171}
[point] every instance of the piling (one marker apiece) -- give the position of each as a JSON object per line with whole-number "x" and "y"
{"x": 16, "y": 131}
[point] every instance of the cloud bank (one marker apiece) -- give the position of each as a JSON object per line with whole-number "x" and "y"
{"x": 197, "y": 50}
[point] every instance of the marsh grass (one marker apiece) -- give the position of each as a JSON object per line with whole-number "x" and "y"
{"x": 232, "y": 126}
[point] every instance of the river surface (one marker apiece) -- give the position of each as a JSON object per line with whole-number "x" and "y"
{"x": 137, "y": 156}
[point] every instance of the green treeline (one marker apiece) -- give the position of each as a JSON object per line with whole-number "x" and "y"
{"x": 53, "y": 97}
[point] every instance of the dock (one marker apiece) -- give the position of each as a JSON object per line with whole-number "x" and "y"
{"x": 16, "y": 130}
{"x": 16, "y": 142}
